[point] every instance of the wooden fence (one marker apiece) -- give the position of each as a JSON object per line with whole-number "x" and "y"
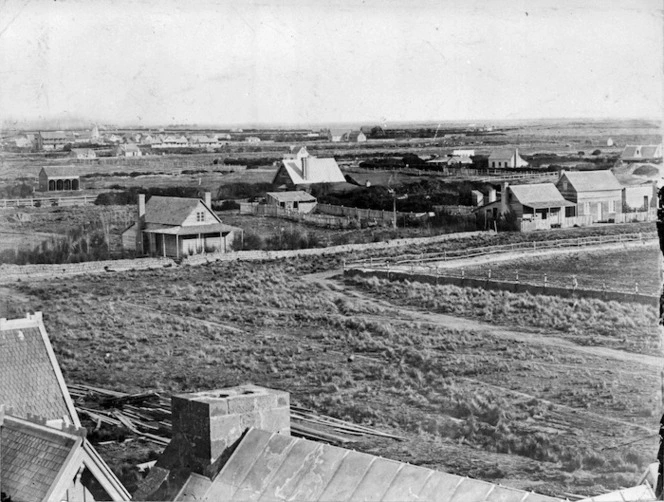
{"x": 48, "y": 201}
{"x": 422, "y": 260}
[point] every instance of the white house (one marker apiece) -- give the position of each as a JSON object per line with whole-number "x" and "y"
{"x": 506, "y": 158}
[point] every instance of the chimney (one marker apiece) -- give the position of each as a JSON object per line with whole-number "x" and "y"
{"x": 504, "y": 198}
{"x": 208, "y": 423}
{"x": 208, "y": 199}
{"x": 141, "y": 205}
{"x": 492, "y": 195}
{"x": 305, "y": 168}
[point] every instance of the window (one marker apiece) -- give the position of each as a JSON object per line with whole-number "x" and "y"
{"x": 586, "y": 208}
{"x": 570, "y": 212}
{"x": 612, "y": 206}
{"x": 200, "y": 216}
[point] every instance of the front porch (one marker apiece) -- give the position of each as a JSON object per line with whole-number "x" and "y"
{"x": 181, "y": 242}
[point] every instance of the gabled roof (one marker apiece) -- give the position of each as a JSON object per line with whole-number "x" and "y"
{"x": 294, "y": 196}
{"x": 131, "y": 147}
{"x": 592, "y": 181}
{"x": 53, "y": 135}
{"x": 502, "y": 155}
{"x": 30, "y": 378}
{"x": 60, "y": 172}
{"x": 338, "y": 132}
{"x": 319, "y": 171}
{"x": 172, "y": 210}
{"x": 539, "y": 195}
{"x": 354, "y": 135}
{"x": 270, "y": 466}
{"x": 646, "y": 152}
{"x": 35, "y": 459}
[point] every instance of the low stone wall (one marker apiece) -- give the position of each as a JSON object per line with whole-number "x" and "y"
{"x": 514, "y": 287}
{"x": 12, "y": 273}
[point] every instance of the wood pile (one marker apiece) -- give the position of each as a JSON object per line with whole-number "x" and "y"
{"x": 148, "y": 415}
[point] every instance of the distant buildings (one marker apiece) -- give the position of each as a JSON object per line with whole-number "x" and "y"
{"x": 356, "y": 137}
{"x": 177, "y": 227}
{"x": 252, "y": 139}
{"x": 642, "y": 153}
{"x": 506, "y": 159}
{"x": 53, "y": 140}
{"x": 128, "y": 150}
{"x": 57, "y": 179}
{"x": 83, "y": 153}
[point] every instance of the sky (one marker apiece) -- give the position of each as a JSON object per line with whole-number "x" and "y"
{"x": 303, "y": 62}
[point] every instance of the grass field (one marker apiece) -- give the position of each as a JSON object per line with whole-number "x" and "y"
{"x": 500, "y": 390}
{"x": 615, "y": 270}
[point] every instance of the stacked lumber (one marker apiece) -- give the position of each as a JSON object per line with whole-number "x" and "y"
{"x": 148, "y": 415}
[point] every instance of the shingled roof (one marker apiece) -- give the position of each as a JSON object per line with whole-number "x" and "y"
{"x": 271, "y": 466}
{"x": 60, "y": 172}
{"x": 30, "y": 379}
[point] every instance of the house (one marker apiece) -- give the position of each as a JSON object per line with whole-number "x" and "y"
{"x": 128, "y": 150}
{"x": 356, "y": 137}
{"x": 83, "y": 138}
{"x": 376, "y": 131}
{"x": 639, "y": 197}
{"x": 538, "y": 201}
{"x": 202, "y": 141}
{"x": 252, "y": 139}
{"x": 56, "y": 179}
{"x": 298, "y": 201}
{"x": 597, "y": 194}
{"x": 300, "y": 169}
{"x": 456, "y": 160}
{"x": 83, "y": 153}
{"x": 641, "y": 153}
{"x": 463, "y": 153}
{"x": 171, "y": 141}
{"x": 44, "y": 453}
{"x": 177, "y": 227}
{"x": 53, "y": 140}
{"x": 506, "y": 158}
{"x": 337, "y": 135}
{"x": 235, "y": 444}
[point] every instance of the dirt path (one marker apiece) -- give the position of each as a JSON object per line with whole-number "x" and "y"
{"x": 328, "y": 281}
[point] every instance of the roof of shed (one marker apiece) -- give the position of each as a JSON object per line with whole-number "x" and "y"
{"x": 274, "y": 466}
{"x": 539, "y": 195}
{"x": 61, "y": 172}
{"x": 319, "y": 171}
{"x": 30, "y": 378}
{"x": 592, "y": 181}
{"x": 171, "y": 210}
{"x": 33, "y": 458}
{"x": 294, "y": 196}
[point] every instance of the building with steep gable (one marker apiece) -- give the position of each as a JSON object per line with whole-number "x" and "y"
{"x": 44, "y": 453}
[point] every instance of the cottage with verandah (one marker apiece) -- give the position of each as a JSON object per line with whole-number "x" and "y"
{"x": 596, "y": 194}
{"x": 178, "y": 227}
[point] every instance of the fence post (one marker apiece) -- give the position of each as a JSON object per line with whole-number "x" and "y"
{"x": 546, "y": 280}
{"x": 575, "y": 283}
{"x": 517, "y": 277}
{"x": 636, "y": 288}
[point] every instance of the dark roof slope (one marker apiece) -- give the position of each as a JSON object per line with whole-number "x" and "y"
{"x": 33, "y": 457}
{"x": 170, "y": 210}
{"x": 61, "y": 172}
{"x": 30, "y": 378}
{"x": 592, "y": 181}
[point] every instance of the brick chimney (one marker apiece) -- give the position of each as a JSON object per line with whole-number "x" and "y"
{"x": 492, "y": 195}
{"x": 212, "y": 421}
{"x": 504, "y": 197}
{"x": 208, "y": 199}
{"x": 140, "y": 218}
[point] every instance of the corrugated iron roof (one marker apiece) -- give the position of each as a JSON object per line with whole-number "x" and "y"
{"x": 33, "y": 456}
{"x": 273, "y": 466}
{"x": 318, "y": 171}
{"x": 503, "y": 155}
{"x": 30, "y": 378}
{"x": 293, "y": 196}
{"x": 640, "y": 493}
{"x": 592, "y": 181}
{"x": 539, "y": 195}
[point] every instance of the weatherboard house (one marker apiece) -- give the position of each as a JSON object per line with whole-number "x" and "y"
{"x": 177, "y": 227}
{"x": 299, "y": 170}
{"x": 597, "y": 194}
{"x": 235, "y": 444}
{"x": 44, "y": 453}
{"x": 506, "y": 158}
